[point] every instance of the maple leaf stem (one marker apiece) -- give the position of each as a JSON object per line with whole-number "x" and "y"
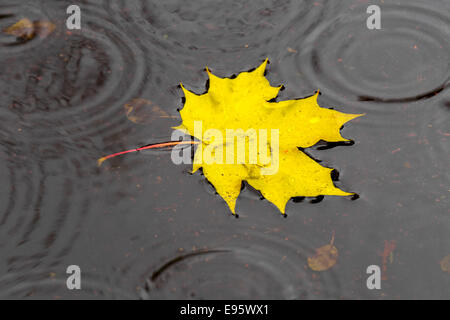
{"x": 150, "y": 146}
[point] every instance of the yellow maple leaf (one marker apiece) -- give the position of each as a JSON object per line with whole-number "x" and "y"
{"x": 243, "y": 104}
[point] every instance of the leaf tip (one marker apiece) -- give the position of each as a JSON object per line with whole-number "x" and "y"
{"x": 262, "y": 68}
{"x": 180, "y": 128}
{"x": 354, "y": 116}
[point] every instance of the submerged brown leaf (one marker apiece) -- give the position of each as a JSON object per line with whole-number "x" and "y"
{"x": 27, "y": 30}
{"x": 445, "y": 264}
{"x": 325, "y": 257}
{"x": 44, "y": 28}
{"x": 24, "y": 29}
{"x": 141, "y": 111}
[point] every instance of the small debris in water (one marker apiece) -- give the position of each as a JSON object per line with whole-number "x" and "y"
{"x": 445, "y": 264}
{"x": 325, "y": 257}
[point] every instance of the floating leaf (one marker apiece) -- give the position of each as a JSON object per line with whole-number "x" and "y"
{"x": 325, "y": 257}
{"x": 445, "y": 264}
{"x": 245, "y": 103}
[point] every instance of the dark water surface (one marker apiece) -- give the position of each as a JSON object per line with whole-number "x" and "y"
{"x": 142, "y": 227}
